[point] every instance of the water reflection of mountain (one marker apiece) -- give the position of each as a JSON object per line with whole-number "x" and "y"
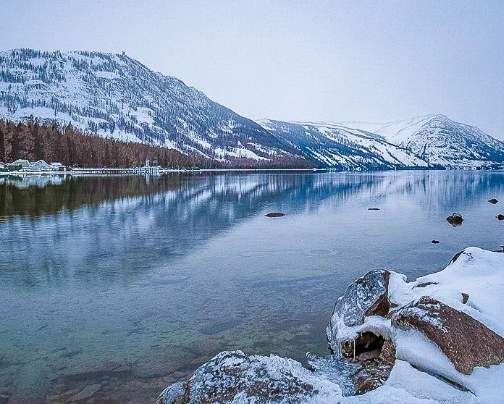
{"x": 441, "y": 190}
{"x": 114, "y": 227}
{"x": 36, "y": 196}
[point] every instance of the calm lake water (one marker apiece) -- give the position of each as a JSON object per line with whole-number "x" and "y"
{"x": 113, "y": 287}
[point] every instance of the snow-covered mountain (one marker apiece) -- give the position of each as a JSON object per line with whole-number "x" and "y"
{"x": 333, "y": 145}
{"x": 440, "y": 141}
{"x": 115, "y": 96}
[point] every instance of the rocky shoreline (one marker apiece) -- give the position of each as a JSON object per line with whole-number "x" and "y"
{"x": 438, "y": 339}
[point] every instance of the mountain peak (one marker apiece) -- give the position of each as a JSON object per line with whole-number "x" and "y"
{"x": 443, "y": 141}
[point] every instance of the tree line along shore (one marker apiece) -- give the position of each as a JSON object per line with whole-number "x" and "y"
{"x": 34, "y": 141}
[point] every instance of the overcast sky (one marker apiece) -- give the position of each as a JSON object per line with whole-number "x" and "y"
{"x": 373, "y": 61}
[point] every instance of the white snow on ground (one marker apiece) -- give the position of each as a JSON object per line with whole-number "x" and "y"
{"x": 480, "y": 274}
{"x": 236, "y": 152}
{"x": 107, "y": 75}
{"x": 407, "y": 385}
{"x": 144, "y": 115}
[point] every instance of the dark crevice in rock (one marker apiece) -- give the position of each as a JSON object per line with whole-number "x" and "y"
{"x": 374, "y": 370}
{"x": 373, "y": 357}
{"x": 456, "y": 256}
{"x": 366, "y": 343}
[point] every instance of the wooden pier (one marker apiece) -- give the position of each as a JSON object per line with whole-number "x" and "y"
{"x": 110, "y": 171}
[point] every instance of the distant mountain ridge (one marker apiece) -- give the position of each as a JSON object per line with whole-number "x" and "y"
{"x": 441, "y": 141}
{"x": 333, "y": 145}
{"x": 115, "y": 96}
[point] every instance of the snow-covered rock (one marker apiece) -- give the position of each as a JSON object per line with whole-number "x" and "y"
{"x": 438, "y": 339}
{"x": 367, "y": 296}
{"x": 466, "y": 342}
{"x": 233, "y": 377}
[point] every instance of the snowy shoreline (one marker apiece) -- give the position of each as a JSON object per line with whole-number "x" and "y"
{"x": 437, "y": 339}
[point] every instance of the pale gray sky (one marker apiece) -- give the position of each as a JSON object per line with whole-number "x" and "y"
{"x": 365, "y": 60}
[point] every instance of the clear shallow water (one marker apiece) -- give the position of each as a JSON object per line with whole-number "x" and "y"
{"x": 125, "y": 284}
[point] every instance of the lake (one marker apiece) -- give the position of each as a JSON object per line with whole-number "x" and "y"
{"x": 114, "y": 287}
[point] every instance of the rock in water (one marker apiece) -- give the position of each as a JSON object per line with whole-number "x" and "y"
{"x": 500, "y": 216}
{"x": 455, "y": 219}
{"x": 275, "y": 214}
{"x": 464, "y": 340}
{"x": 493, "y": 201}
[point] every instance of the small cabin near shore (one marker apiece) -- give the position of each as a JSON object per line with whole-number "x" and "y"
{"x": 57, "y": 167}
{"x": 21, "y": 162}
{"x": 40, "y": 165}
{"x": 37, "y": 166}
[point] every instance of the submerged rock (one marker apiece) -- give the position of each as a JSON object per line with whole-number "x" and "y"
{"x": 275, "y": 214}
{"x": 455, "y": 219}
{"x": 493, "y": 201}
{"x": 85, "y": 393}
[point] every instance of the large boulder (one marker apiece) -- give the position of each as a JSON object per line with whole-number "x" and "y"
{"x": 366, "y": 296}
{"x": 464, "y": 340}
{"x": 236, "y": 377}
{"x": 363, "y": 344}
